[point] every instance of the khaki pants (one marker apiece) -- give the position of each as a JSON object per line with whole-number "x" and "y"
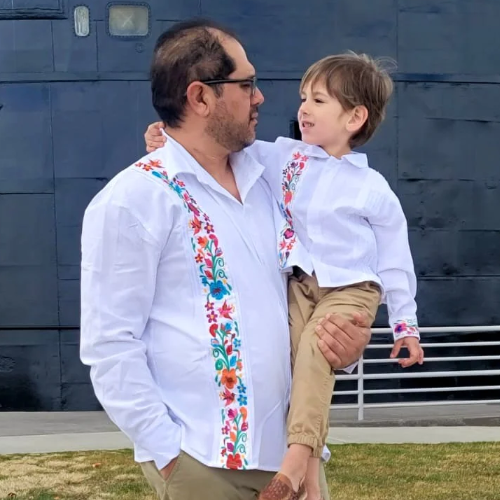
{"x": 191, "y": 480}
{"x": 313, "y": 379}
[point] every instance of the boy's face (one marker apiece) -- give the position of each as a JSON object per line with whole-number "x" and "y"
{"x": 323, "y": 122}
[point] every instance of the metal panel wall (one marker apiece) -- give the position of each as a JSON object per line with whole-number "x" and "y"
{"x": 74, "y": 111}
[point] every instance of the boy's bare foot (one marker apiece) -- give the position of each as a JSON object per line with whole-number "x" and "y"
{"x": 294, "y": 465}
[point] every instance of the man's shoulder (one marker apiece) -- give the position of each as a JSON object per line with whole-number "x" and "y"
{"x": 141, "y": 183}
{"x": 134, "y": 198}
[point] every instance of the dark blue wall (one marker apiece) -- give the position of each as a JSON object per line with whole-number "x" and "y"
{"x": 74, "y": 111}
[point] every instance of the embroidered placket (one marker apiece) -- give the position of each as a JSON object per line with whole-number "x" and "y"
{"x": 291, "y": 175}
{"x": 221, "y": 320}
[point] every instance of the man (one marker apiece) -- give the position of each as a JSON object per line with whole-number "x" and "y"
{"x": 184, "y": 310}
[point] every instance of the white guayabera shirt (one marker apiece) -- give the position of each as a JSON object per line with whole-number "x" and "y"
{"x": 184, "y": 315}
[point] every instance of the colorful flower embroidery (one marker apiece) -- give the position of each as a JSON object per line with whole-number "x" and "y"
{"x": 291, "y": 175}
{"x": 405, "y": 328}
{"x": 222, "y": 323}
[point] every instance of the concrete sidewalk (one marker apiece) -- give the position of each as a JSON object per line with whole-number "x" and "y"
{"x": 80, "y": 431}
{"x": 479, "y": 414}
{"x": 419, "y": 435}
{"x": 51, "y": 443}
{"x": 41, "y": 423}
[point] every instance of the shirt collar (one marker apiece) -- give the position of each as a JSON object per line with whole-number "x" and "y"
{"x": 246, "y": 170}
{"x": 176, "y": 158}
{"x": 358, "y": 160}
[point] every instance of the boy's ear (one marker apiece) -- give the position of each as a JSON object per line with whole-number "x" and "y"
{"x": 359, "y": 115}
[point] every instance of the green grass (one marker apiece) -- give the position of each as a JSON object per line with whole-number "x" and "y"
{"x": 415, "y": 472}
{"x": 356, "y": 472}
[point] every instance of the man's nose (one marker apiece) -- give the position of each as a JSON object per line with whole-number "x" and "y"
{"x": 258, "y": 97}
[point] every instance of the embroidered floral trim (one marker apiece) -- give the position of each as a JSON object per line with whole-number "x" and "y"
{"x": 291, "y": 175}
{"x": 222, "y": 324}
{"x": 405, "y": 328}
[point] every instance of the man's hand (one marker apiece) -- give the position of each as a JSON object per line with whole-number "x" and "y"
{"x": 153, "y": 137}
{"x": 341, "y": 341}
{"x": 167, "y": 470}
{"x": 416, "y": 352}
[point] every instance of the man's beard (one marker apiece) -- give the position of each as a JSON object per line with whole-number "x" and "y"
{"x": 230, "y": 134}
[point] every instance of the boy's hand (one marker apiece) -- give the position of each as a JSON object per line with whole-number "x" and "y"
{"x": 154, "y": 138}
{"x": 413, "y": 346}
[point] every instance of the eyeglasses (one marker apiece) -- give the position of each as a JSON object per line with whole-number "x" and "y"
{"x": 251, "y": 82}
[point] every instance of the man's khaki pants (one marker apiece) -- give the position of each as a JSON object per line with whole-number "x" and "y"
{"x": 191, "y": 480}
{"x": 313, "y": 378}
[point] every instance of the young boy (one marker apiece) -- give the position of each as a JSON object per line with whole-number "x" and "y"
{"x": 345, "y": 237}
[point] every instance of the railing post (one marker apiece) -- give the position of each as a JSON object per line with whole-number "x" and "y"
{"x": 361, "y": 388}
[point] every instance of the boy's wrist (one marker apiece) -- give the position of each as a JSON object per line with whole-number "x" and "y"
{"x": 405, "y": 328}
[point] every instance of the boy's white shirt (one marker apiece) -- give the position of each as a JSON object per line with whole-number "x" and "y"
{"x": 350, "y": 224}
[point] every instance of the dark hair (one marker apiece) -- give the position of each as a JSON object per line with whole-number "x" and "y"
{"x": 187, "y": 52}
{"x": 355, "y": 80}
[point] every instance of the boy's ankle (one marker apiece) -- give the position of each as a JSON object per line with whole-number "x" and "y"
{"x": 294, "y": 464}
{"x": 311, "y": 483}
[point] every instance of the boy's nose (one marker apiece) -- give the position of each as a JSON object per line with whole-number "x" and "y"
{"x": 303, "y": 109}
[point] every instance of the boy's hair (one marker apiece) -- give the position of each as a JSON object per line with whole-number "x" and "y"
{"x": 355, "y": 80}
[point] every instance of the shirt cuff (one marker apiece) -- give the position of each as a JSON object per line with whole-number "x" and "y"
{"x": 326, "y": 455}
{"x": 405, "y": 328}
{"x": 172, "y": 450}
{"x": 349, "y": 369}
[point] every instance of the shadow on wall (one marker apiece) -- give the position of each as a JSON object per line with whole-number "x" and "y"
{"x": 17, "y": 393}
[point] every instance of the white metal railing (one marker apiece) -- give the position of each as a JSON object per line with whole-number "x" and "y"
{"x": 361, "y": 376}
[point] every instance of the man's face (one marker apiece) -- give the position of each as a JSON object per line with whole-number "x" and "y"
{"x": 233, "y": 122}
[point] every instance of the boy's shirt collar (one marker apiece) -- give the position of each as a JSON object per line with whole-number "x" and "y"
{"x": 358, "y": 160}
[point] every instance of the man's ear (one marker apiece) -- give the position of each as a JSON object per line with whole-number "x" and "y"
{"x": 199, "y": 98}
{"x": 359, "y": 115}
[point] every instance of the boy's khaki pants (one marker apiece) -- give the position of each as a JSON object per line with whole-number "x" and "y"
{"x": 313, "y": 378}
